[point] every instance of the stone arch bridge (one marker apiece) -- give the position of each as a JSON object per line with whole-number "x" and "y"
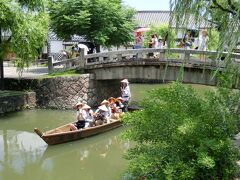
{"x": 152, "y": 65}
{"x": 103, "y": 72}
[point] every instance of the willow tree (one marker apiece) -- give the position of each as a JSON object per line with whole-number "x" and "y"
{"x": 103, "y": 22}
{"x": 23, "y": 30}
{"x": 221, "y": 14}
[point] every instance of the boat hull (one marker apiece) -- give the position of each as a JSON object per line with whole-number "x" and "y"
{"x": 56, "y": 136}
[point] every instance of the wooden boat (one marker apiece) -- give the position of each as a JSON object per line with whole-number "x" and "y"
{"x": 63, "y": 134}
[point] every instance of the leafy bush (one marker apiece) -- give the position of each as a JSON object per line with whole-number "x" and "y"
{"x": 180, "y": 135}
{"x": 161, "y": 30}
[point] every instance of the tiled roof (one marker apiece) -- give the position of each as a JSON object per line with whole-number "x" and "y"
{"x": 147, "y": 18}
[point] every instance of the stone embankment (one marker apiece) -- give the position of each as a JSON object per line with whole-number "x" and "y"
{"x": 17, "y": 101}
{"x": 64, "y": 92}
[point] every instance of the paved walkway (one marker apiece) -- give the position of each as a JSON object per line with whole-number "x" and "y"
{"x": 33, "y": 71}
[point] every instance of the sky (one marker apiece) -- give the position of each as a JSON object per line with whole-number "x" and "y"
{"x": 148, "y": 4}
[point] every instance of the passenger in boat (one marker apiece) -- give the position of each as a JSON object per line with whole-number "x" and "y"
{"x": 112, "y": 104}
{"x": 119, "y": 104}
{"x": 119, "y": 108}
{"x": 87, "y": 115}
{"x": 114, "y": 109}
{"x": 80, "y": 123}
{"x": 126, "y": 94}
{"x": 101, "y": 115}
{"x": 78, "y": 106}
{"x": 107, "y": 104}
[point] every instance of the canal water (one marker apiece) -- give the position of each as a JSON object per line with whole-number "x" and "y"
{"x": 24, "y": 156}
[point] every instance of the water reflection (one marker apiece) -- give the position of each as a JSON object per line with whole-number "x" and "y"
{"x": 99, "y": 157}
{"x": 19, "y": 151}
{"x": 23, "y": 155}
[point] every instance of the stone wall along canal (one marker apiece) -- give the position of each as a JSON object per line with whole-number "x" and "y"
{"x": 64, "y": 92}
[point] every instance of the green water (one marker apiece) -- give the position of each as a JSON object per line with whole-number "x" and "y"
{"x": 25, "y": 156}
{"x": 140, "y": 91}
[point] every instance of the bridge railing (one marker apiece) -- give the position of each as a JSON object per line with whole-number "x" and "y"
{"x": 67, "y": 64}
{"x": 170, "y": 55}
{"x": 176, "y": 55}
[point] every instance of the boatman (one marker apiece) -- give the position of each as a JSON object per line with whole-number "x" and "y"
{"x": 125, "y": 93}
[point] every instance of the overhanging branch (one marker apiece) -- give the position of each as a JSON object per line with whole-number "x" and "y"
{"x": 231, "y": 5}
{"x": 223, "y": 8}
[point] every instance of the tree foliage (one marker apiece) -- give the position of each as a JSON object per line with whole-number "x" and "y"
{"x": 180, "y": 135}
{"x": 26, "y": 24}
{"x": 163, "y": 32}
{"x": 213, "y": 39}
{"x": 222, "y": 14}
{"x": 104, "y": 22}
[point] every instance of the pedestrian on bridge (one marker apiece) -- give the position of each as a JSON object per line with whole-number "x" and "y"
{"x": 203, "y": 43}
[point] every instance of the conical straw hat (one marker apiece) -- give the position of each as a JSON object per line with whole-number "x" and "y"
{"x": 86, "y": 107}
{"x": 111, "y": 99}
{"x": 124, "y": 81}
{"x": 78, "y": 104}
{"x": 104, "y": 102}
{"x": 103, "y": 108}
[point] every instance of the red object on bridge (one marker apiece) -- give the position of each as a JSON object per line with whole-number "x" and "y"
{"x": 140, "y": 30}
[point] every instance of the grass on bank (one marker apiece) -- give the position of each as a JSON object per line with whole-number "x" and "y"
{"x": 6, "y": 93}
{"x": 66, "y": 73}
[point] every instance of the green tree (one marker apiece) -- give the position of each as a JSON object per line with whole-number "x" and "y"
{"x": 180, "y": 135}
{"x": 103, "y": 22}
{"x": 222, "y": 14}
{"x": 163, "y": 32}
{"x": 26, "y": 24}
{"x": 213, "y": 39}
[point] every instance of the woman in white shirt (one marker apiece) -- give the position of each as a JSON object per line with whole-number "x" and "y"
{"x": 87, "y": 115}
{"x": 107, "y": 104}
{"x": 80, "y": 123}
{"x": 203, "y": 43}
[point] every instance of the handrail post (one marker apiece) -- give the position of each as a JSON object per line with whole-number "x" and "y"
{"x": 81, "y": 58}
{"x": 68, "y": 64}
{"x": 162, "y": 56}
{"x": 139, "y": 55}
{"x": 110, "y": 57}
{"x": 100, "y": 59}
{"x": 50, "y": 64}
{"x": 119, "y": 57}
{"x": 186, "y": 56}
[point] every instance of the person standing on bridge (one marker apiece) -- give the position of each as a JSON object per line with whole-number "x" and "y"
{"x": 203, "y": 43}
{"x": 125, "y": 93}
